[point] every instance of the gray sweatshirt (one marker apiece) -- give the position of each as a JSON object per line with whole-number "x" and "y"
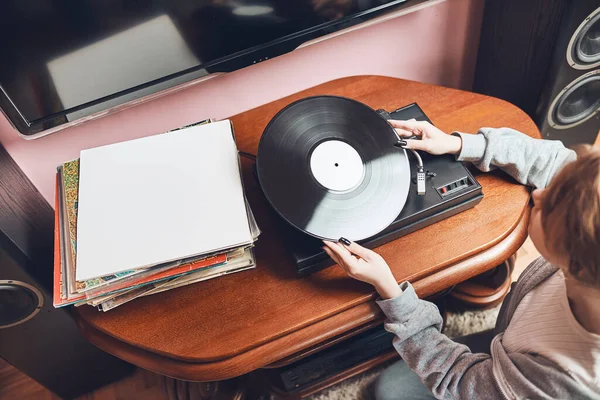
{"x": 448, "y": 368}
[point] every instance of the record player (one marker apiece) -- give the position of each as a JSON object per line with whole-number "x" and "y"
{"x": 445, "y": 187}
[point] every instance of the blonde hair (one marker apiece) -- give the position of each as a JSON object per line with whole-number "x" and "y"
{"x": 571, "y": 215}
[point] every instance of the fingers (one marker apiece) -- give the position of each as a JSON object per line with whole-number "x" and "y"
{"x": 404, "y": 133}
{"x": 343, "y": 255}
{"x": 416, "y": 144}
{"x": 404, "y": 124}
{"x": 336, "y": 250}
{"x": 360, "y": 251}
{"x": 407, "y": 128}
{"x": 335, "y": 258}
{"x": 332, "y": 255}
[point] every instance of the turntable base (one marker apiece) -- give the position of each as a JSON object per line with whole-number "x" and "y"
{"x": 451, "y": 191}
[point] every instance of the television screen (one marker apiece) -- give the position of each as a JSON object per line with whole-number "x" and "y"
{"x": 65, "y": 60}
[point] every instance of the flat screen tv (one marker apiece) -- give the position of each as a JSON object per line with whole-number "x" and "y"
{"x": 65, "y": 61}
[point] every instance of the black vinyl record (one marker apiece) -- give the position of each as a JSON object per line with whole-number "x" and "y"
{"x": 329, "y": 167}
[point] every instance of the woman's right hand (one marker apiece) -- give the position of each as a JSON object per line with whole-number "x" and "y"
{"x": 364, "y": 265}
{"x": 433, "y": 140}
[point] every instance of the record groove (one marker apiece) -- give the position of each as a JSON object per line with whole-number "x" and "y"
{"x": 329, "y": 167}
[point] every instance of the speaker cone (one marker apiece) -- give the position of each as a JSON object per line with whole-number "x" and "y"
{"x": 584, "y": 48}
{"x": 19, "y": 302}
{"x": 577, "y": 102}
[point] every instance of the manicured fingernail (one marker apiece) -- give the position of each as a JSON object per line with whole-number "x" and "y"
{"x": 401, "y": 143}
{"x": 345, "y": 241}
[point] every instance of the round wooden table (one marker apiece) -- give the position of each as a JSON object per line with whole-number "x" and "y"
{"x": 264, "y": 317}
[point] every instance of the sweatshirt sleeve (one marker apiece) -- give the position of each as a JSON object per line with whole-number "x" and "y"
{"x": 530, "y": 161}
{"x": 447, "y": 368}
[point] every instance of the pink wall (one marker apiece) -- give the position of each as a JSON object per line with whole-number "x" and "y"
{"x": 437, "y": 45}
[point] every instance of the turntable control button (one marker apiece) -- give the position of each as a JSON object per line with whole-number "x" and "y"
{"x": 444, "y": 189}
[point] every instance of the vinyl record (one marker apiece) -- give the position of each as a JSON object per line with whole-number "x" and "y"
{"x": 329, "y": 167}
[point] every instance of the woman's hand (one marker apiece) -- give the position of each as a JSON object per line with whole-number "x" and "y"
{"x": 433, "y": 140}
{"x": 364, "y": 265}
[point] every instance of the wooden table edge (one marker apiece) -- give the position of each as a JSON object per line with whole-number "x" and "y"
{"x": 302, "y": 340}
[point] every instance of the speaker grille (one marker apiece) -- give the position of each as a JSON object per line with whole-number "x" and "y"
{"x": 577, "y": 102}
{"x": 19, "y": 302}
{"x": 584, "y": 48}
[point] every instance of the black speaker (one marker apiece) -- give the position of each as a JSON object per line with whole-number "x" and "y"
{"x": 44, "y": 342}
{"x": 41, "y": 341}
{"x": 569, "y": 106}
{"x": 517, "y": 42}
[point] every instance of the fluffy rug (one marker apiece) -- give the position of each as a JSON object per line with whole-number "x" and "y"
{"x": 457, "y": 324}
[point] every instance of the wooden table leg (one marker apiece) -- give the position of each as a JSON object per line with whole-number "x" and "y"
{"x": 234, "y": 389}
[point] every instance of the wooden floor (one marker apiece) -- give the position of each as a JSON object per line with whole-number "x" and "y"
{"x": 145, "y": 385}
{"x": 142, "y": 385}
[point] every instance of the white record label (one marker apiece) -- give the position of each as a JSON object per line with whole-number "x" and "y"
{"x": 337, "y": 166}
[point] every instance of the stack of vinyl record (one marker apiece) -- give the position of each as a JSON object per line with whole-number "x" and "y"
{"x": 149, "y": 215}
